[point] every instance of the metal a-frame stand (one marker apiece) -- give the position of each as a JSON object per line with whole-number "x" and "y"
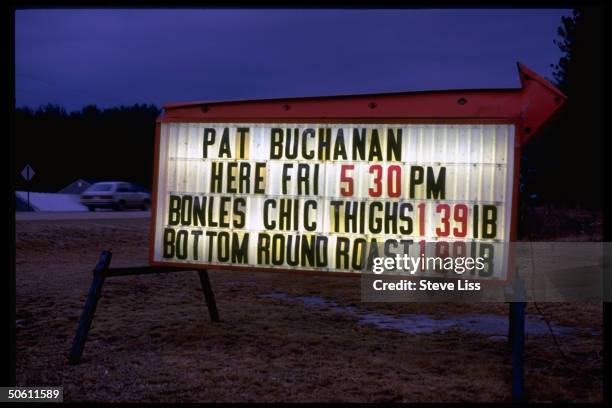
{"x": 103, "y": 271}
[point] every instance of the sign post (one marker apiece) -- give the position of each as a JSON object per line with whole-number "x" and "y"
{"x": 27, "y": 173}
{"x": 517, "y": 339}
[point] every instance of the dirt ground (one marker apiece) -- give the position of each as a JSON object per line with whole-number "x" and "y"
{"x": 152, "y": 339}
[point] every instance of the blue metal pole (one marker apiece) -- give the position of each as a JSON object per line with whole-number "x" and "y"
{"x": 517, "y": 320}
{"x": 518, "y": 348}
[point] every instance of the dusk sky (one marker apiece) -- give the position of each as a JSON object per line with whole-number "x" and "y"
{"x": 111, "y": 57}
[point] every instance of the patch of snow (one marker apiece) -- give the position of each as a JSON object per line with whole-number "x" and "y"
{"x": 52, "y": 201}
{"x": 486, "y": 324}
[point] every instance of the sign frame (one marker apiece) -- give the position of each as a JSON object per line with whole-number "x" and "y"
{"x": 527, "y": 108}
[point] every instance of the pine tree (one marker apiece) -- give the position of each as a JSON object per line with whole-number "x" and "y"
{"x": 565, "y": 161}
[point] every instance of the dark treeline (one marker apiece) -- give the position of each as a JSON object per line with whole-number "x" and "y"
{"x": 102, "y": 144}
{"x": 564, "y": 164}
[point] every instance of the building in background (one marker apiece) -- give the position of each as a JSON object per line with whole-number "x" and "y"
{"x": 77, "y": 187}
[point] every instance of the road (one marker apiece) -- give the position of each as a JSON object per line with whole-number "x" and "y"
{"x": 80, "y": 215}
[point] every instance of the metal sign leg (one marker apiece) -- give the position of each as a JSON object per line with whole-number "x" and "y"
{"x": 209, "y": 296}
{"x": 90, "y": 308}
{"x": 517, "y": 310}
{"x": 516, "y": 337}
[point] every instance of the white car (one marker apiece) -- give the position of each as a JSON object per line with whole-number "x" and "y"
{"x": 117, "y": 195}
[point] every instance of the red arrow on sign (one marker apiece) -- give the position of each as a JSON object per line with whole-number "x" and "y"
{"x": 531, "y": 106}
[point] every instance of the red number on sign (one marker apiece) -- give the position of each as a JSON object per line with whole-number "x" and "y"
{"x": 459, "y": 249}
{"x": 421, "y": 219}
{"x": 461, "y": 216}
{"x": 445, "y": 209}
{"x": 422, "y": 252}
{"x": 377, "y": 192}
{"x": 422, "y": 248}
{"x": 345, "y": 179}
{"x": 442, "y": 251}
{"x": 395, "y": 174}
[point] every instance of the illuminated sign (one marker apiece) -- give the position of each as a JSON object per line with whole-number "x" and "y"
{"x": 324, "y": 184}
{"x": 316, "y": 196}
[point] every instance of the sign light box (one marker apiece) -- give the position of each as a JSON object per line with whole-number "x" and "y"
{"x": 313, "y": 196}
